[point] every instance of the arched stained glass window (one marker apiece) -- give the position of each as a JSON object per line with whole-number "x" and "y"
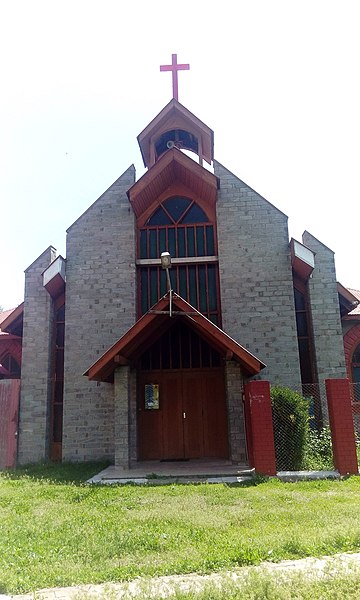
{"x": 180, "y": 226}
{"x": 195, "y": 214}
{"x": 178, "y": 210}
{"x": 160, "y": 217}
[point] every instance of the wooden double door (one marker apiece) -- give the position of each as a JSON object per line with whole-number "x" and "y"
{"x": 191, "y": 418}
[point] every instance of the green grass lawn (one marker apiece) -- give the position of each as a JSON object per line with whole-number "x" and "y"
{"x": 57, "y": 531}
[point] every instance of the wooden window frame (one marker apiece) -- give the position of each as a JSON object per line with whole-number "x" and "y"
{"x": 146, "y": 267}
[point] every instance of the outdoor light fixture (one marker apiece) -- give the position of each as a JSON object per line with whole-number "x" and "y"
{"x": 166, "y": 264}
{"x": 165, "y": 260}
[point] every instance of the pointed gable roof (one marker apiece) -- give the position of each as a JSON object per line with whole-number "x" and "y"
{"x": 172, "y": 117}
{"x": 151, "y": 326}
{"x": 172, "y": 167}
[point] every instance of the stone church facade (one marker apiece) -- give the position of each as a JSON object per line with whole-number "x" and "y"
{"x": 116, "y": 366}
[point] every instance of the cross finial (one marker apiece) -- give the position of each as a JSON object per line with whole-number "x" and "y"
{"x": 175, "y": 67}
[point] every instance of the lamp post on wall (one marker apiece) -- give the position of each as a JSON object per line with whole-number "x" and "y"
{"x": 166, "y": 264}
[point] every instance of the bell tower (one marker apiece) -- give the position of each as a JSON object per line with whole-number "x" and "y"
{"x": 176, "y": 127}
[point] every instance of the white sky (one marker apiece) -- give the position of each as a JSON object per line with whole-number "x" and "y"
{"x": 277, "y": 80}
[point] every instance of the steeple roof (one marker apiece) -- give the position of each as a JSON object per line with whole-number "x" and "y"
{"x": 176, "y": 126}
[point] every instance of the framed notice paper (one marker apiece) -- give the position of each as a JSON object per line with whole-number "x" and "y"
{"x": 151, "y": 396}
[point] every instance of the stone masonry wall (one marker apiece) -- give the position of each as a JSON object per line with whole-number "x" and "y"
{"x": 36, "y": 364}
{"x": 121, "y": 393}
{"x": 125, "y": 417}
{"x": 257, "y": 297}
{"x": 325, "y": 315}
{"x": 100, "y": 307}
{"x": 235, "y": 408}
{"x": 133, "y": 416}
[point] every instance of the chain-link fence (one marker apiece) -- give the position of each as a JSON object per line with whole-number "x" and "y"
{"x": 355, "y": 392}
{"x": 302, "y": 441}
{"x": 355, "y": 404}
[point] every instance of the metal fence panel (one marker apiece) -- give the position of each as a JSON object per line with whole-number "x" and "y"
{"x": 355, "y": 403}
{"x": 302, "y": 440}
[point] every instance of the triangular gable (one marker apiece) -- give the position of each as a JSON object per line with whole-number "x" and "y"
{"x": 130, "y": 171}
{"x": 221, "y": 172}
{"x": 151, "y": 325}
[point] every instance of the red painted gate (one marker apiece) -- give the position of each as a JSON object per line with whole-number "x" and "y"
{"x": 9, "y": 411}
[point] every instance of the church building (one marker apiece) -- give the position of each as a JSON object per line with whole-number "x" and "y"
{"x": 176, "y": 289}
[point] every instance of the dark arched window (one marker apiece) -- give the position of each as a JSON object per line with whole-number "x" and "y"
{"x": 11, "y": 366}
{"x": 182, "y": 227}
{"x": 355, "y": 371}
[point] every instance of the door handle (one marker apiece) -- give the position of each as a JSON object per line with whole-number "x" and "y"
{"x": 184, "y": 415}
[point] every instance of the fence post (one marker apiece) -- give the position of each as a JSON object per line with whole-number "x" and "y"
{"x": 342, "y": 426}
{"x": 259, "y": 427}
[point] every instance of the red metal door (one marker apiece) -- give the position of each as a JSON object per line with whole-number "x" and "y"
{"x": 9, "y": 411}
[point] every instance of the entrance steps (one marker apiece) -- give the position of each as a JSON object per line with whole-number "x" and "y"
{"x": 162, "y": 473}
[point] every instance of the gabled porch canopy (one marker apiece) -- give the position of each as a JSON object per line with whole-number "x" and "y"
{"x": 154, "y": 323}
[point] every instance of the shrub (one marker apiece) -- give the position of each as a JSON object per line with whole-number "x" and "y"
{"x": 318, "y": 451}
{"x": 291, "y": 424}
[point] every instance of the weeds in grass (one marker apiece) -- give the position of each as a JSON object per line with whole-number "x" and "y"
{"x": 334, "y": 582}
{"x": 318, "y": 450}
{"x": 55, "y": 533}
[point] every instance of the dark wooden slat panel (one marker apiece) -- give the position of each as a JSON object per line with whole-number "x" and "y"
{"x": 215, "y": 415}
{"x": 149, "y": 423}
{"x": 172, "y": 424}
{"x": 192, "y": 408}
